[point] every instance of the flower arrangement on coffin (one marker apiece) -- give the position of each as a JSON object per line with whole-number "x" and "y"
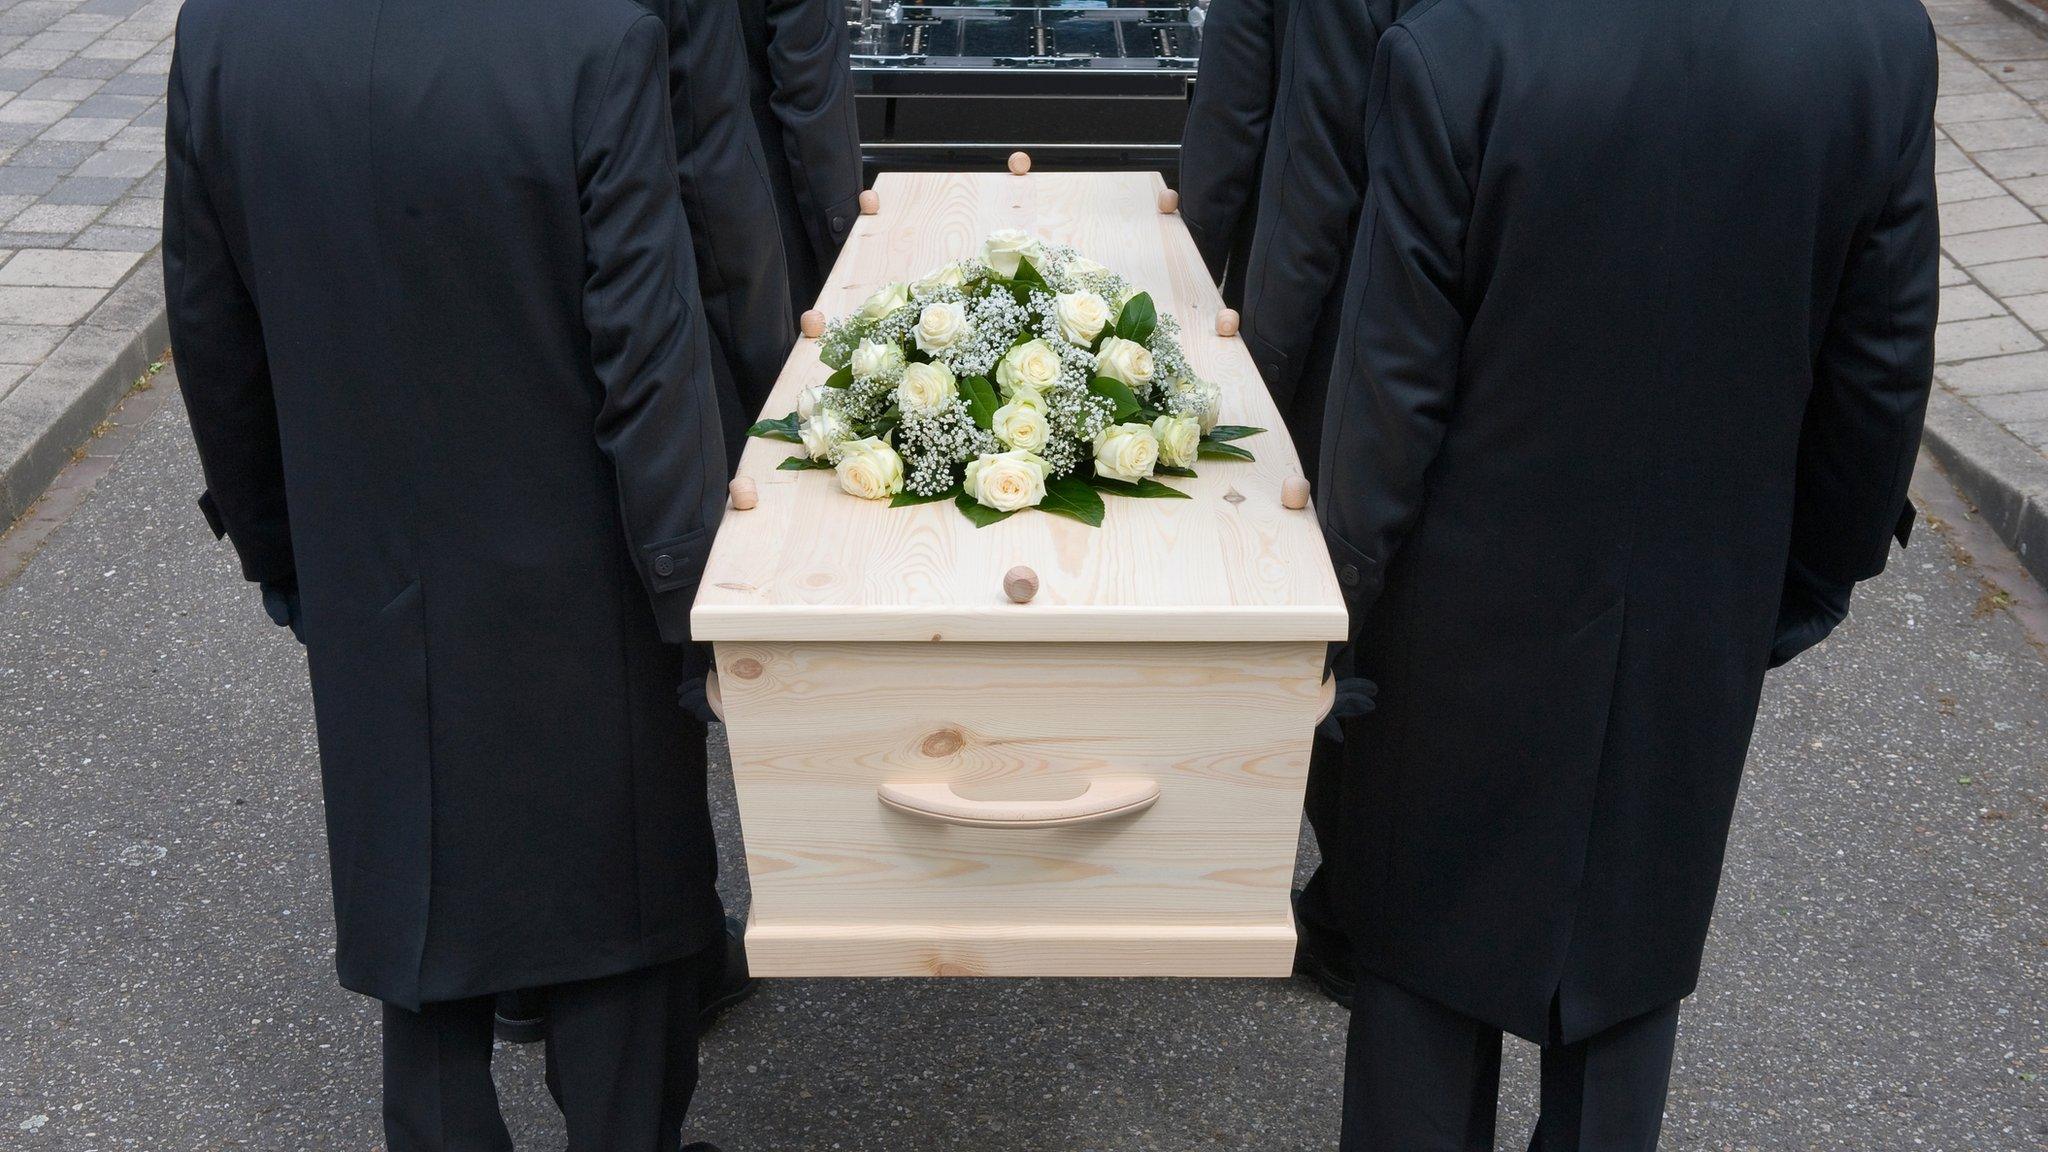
{"x": 1027, "y": 376}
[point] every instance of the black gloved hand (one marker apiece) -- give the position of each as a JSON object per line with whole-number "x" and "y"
{"x": 690, "y": 694}
{"x": 281, "y": 602}
{"x": 1808, "y": 609}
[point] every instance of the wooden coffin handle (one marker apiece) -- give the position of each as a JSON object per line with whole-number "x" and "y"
{"x": 1326, "y": 699}
{"x": 713, "y": 696}
{"x": 1103, "y": 799}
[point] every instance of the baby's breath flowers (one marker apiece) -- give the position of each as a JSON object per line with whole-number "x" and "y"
{"x": 1023, "y": 376}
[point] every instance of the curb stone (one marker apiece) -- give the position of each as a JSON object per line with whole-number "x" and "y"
{"x": 2026, "y": 12}
{"x": 2001, "y": 475}
{"x": 56, "y": 407}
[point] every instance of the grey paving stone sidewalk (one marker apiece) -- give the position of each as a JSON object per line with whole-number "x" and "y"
{"x": 81, "y": 210}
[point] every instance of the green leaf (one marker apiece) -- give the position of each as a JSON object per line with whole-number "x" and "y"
{"x": 1231, "y": 432}
{"x": 803, "y": 464}
{"x": 908, "y": 499}
{"x": 1029, "y": 275}
{"x": 1071, "y": 496}
{"x": 981, "y": 401}
{"x": 1138, "y": 318}
{"x": 841, "y": 378}
{"x": 783, "y": 429}
{"x": 981, "y": 515}
{"x": 1146, "y": 489}
{"x": 884, "y": 424}
{"x": 1170, "y": 470}
{"x": 1214, "y": 450}
{"x": 1118, "y": 393}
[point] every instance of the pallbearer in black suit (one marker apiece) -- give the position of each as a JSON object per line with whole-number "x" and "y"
{"x": 436, "y": 313}
{"x": 1223, "y": 144}
{"x": 1291, "y": 264}
{"x": 802, "y": 93}
{"x": 729, "y": 201}
{"x": 1637, "y": 344}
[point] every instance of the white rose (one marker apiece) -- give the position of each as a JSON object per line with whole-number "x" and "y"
{"x": 1032, "y": 364}
{"x": 944, "y": 276}
{"x": 870, "y": 469}
{"x": 926, "y": 387}
{"x": 874, "y": 358}
{"x": 1197, "y": 398}
{"x": 1005, "y": 248}
{"x": 1180, "y": 439}
{"x": 1079, "y": 265}
{"x": 888, "y": 299}
{"x": 1125, "y": 360}
{"x": 1081, "y": 316}
{"x": 1027, "y": 398}
{"x": 1022, "y": 425}
{"x": 824, "y": 430}
{"x": 1007, "y": 481}
{"x": 809, "y": 400}
{"x": 940, "y": 326}
{"x": 1126, "y": 452}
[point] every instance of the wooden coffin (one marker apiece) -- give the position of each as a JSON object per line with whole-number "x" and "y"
{"x": 1107, "y": 780}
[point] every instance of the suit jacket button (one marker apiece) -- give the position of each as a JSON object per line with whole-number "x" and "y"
{"x": 1349, "y": 575}
{"x": 839, "y": 223}
{"x": 664, "y": 565}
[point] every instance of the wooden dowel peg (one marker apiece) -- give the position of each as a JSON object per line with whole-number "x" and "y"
{"x": 1294, "y": 493}
{"x": 1020, "y": 163}
{"x": 744, "y": 494}
{"x": 870, "y": 202}
{"x": 1021, "y": 584}
{"x": 812, "y": 322}
{"x": 1169, "y": 201}
{"x": 1226, "y": 322}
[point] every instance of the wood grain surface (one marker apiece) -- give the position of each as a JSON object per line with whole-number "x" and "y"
{"x": 811, "y": 563}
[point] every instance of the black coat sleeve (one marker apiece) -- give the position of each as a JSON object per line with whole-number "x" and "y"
{"x": 728, "y": 201}
{"x": 812, "y": 98}
{"x": 1873, "y": 374}
{"x": 1396, "y": 373}
{"x": 1315, "y": 162}
{"x": 1225, "y": 134}
{"x": 658, "y": 421}
{"x": 223, "y": 370}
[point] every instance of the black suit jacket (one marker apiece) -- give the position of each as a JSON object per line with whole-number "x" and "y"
{"x": 802, "y": 91}
{"x": 1643, "y": 305}
{"x": 729, "y": 201}
{"x": 1313, "y": 172}
{"x": 436, "y": 314}
{"x": 1223, "y": 143}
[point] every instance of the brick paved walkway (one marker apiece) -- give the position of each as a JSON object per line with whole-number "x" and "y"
{"x": 81, "y": 162}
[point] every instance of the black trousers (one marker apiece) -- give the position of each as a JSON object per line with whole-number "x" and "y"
{"x": 1419, "y": 1077}
{"x": 621, "y": 1063}
{"x": 1322, "y": 928}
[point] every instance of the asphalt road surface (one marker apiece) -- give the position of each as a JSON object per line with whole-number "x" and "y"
{"x": 1877, "y": 977}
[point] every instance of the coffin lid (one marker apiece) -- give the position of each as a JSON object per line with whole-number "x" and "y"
{"x": 1231, "y": 564}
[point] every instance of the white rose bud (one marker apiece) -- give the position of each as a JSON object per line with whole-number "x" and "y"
{"x": 870, "y": 469}
{"x": 1022, "y": 425}
{"x": 1007, "y": 481}
{"x": 940, "y": 326}
{"x": 1083, "y": 266}
{"x": 809, "y": 400}
{"x": 1126, "y": 452}
{"x": 944, "y": 276}
{"x": 886, "y": 300}
{"x": 1032, "y": 364}
{"x": 927, "y": 387}
{"x": 875, "y": 358}
{"x": 1027, "y": 398}
{"x": 824, "y": 430}
{"x": 1197, "y": 398}
{"x": 1006, "y": 248}
{"x": 1180, "y": 439}
{"x": 1125, "y": 360}
{"x": 1081, "y": 316}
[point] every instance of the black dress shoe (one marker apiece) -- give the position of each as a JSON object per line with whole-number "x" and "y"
{"x": 520, "y": 1018}
{"x": 731, "y": 983}
{"x": 1324, "y": 957}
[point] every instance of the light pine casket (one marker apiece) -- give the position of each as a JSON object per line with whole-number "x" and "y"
{"x": 1104, "y": 781}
